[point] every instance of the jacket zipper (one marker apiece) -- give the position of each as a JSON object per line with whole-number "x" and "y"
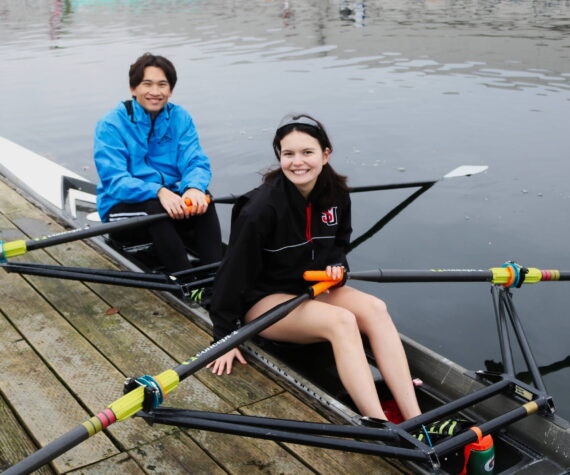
{"x": 152, "y": 120}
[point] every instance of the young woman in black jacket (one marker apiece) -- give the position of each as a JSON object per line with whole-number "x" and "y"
{"x": 297, "y": 220}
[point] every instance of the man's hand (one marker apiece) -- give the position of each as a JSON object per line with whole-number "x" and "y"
{"x": 173, "y": 204}
{"x": 198, "y": 199}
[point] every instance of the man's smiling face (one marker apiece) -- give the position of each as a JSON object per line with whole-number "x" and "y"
{"x": 153, "y": 91}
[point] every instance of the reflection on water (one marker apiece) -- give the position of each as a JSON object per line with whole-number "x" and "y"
{"x": 497, "y": 40}
{"x": 409, "y": 90}
{"x": 525, "y": 376}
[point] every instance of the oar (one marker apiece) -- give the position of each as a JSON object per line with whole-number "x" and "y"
{"x": 17, "y": 248}
{"x": 132, "y": 402}
{"x": 463, "y": 170}
{"x": 510, "y": 275}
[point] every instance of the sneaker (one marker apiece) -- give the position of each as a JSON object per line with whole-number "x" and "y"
{"x": 201, "y": 296}
{"x": 438, "y": 430}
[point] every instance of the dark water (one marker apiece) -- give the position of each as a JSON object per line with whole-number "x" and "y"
{"x": 409, "y": 89}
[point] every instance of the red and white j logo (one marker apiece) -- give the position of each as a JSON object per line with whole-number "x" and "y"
{"x": 329, "y": 216}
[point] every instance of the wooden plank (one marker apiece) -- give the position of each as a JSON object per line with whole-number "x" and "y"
{"x": 243, "y": 455}
{"x": 86, "y": 372}
{"x": 41, "y": 400}
{"x": 174, "y": 454}
{"x": 163, "y": 325}
{"x": 125, "y": 346}
{"x": 121, "y": 463}
{"x": 14, "y": 442}
{"x": 322, "y": 460}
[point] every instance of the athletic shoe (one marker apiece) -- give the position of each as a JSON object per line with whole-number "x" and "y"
{"x": 201, "y": 296}
{"x": 438, "y": 430}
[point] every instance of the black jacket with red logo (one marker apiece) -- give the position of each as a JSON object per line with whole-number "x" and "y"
{"x": 276, "y": 235}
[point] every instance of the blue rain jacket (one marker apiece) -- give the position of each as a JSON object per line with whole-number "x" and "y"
{"x": 136, "y": 156}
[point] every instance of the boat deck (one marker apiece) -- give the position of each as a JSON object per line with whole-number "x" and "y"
{"x": 66, "y": 348}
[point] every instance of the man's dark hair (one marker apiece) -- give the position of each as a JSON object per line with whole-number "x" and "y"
{"x": 136, "y": 71}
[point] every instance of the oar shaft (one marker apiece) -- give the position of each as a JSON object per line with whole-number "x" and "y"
{"x": 19, "y": 247}
{"x": 87, "y": 232}
{"x": 16, "y": 248}
{"x": 495, "y": 275}
{"x": 429, "y": 275}
{"x": 392, "y": 186}
{"x": 234, "y": 339}
{"x": 462, "y": 171}
{"x": 231, "y": 199}
{"x": 49, "y": 452}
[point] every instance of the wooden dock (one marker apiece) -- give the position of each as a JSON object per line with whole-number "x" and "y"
{"x": 66, "y": 348}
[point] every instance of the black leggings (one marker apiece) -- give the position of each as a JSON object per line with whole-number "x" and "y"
{"x": 171, "y": 237}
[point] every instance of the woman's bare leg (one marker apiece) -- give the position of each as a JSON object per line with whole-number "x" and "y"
{"x": 315, "y": 321}
{"x": 375, "y": 322}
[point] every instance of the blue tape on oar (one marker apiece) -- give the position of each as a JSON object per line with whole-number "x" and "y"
{"x": 519, "y": 274}
{"x": 2, "y": 255}
{"x": 155, "y": 396}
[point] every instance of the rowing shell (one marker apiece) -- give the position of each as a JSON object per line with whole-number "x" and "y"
{"x": 62, "y": 191}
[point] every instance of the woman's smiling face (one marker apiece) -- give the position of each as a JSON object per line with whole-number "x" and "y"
{"x": 302, "y": 160}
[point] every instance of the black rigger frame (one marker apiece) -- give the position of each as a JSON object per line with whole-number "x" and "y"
{"x": 397, "y": 439}
{"x": 175, "y": 283}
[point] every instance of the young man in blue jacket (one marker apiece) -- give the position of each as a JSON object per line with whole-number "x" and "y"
{"x": 149, "y": 160}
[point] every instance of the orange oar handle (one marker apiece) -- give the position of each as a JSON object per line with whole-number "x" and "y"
{"x": 320, "y": 287}
{"x": 319, "y": 275}
{"x": 188, "y": 202}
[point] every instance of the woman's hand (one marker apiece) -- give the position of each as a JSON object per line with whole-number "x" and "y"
{"x": 173, "y": 204}
{"x": 198, "y": 199}
{"x": 225, "y": 362}
{"x": 335, "y": 272}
